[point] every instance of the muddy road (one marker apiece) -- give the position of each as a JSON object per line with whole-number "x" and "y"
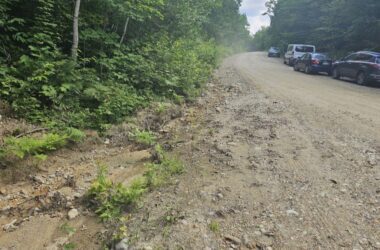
{"x": 278, "y": 160}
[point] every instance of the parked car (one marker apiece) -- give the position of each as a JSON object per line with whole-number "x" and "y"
{"x": 295, "y": 51}
{"x": 362, "y": 66}
{"x": 274, "y": 52}
{"x": 313, "y": 63}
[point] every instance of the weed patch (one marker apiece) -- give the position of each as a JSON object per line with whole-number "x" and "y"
{"x": 144, "y": 138}
{"x": 111, "y": 199}
{"x": 214, "y": 226}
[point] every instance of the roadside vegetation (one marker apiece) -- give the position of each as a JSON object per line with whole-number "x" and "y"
{"x": 120, "y": 55}
{"x": 37, "y": 147}
{"x": 334, "y": 26}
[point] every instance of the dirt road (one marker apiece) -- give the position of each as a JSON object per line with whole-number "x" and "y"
{"x": 279, "y": 160}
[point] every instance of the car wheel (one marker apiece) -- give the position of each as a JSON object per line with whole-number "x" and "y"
{"x": 295, "y": 67}
{"x": 285, "y": 61}
{"x": 361, "y": 79}
{"x": 335, "y": 73}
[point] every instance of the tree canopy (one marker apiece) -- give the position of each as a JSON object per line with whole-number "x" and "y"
{"x": 336, "y": 26}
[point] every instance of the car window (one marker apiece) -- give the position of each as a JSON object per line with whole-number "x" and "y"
{"x": 308, "y": 49}
{"x": 364, "y": 57}
{"x": 290, "y": 48}
{"x": 351, "y": 57}
{"x": 320, "y": 57}
{"x": 376, "y": 60}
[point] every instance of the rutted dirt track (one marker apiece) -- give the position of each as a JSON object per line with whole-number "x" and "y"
{"x": 278, "y": 160}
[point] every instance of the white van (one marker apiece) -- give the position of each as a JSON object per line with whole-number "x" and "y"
{"x": 295, "y": 51}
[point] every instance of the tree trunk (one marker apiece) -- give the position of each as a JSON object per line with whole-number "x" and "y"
{"x": 74, "y": 49}
{"x": 125, "y": 31}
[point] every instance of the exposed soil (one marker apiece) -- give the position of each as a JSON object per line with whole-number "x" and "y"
{"x": 274, "y": 160}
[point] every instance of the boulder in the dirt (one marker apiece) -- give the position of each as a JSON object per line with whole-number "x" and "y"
{"x": 122, "y": 245}
{"x": 72, "y": 214}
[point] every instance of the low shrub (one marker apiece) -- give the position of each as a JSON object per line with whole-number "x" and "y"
{"x": 38, "y": 147}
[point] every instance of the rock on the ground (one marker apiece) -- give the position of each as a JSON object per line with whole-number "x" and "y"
{"x": 10, "y": 226}
{"x": 233, "y": 239}
{"x": 122, "y": 245}
{"x": 72, "y": 214}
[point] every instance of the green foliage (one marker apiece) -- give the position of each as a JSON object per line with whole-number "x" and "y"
{"x": 66, "y": 228}
{"x": 159, "y": 173}
{"x": 69, "y": 246}
{"x": 214, "y": 226}
{"x": 111, "y": 199}
{"x": 334, "y": 26}
{"x": 167, "y": 51}
{"x": 146, "y": 138}
{"x": 38, "y": 147}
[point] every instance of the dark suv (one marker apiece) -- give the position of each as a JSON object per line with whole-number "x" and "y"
{"x": 362, "y": 66}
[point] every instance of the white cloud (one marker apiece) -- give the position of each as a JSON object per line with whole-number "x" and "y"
{"x": 254, "y": 9}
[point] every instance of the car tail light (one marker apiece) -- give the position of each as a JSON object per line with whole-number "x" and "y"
{"x": 376, "y": 66}
{"x": 314, "y": 61}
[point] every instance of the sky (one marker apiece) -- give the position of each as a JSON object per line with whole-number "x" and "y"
{"x": 253, "y": 9}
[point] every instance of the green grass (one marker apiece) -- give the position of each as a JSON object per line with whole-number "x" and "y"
{"x": 145, "y": 138}
{"x": 214, "y": 226}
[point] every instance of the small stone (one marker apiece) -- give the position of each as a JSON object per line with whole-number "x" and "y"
{"x": 3, "y": 191}
{"x": 38, "y": 179}
{"x": 184, "y": 222}
{"x": 291, "y": 212}
{"x": 363, "y": 241}
{"x": 122, "y": 245}
{"x": 246, "y": 240}
{"x": 218, "y": 110}
{"x": 72, "y": 214}
{"x": 377, "y": 245}
{"x": 220, "y": 195}
{"x": 232, "y": 239}
{"x": 107, "y": 141}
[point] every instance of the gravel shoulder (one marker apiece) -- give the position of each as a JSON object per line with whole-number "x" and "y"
{"x": 276, "y": 160}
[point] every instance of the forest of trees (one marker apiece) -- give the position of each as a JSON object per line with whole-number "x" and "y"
{"x": 90, "y": 63}
{"x": 335, "y": 26}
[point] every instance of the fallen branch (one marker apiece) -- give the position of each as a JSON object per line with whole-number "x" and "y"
{"x": 32, "y": 132}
